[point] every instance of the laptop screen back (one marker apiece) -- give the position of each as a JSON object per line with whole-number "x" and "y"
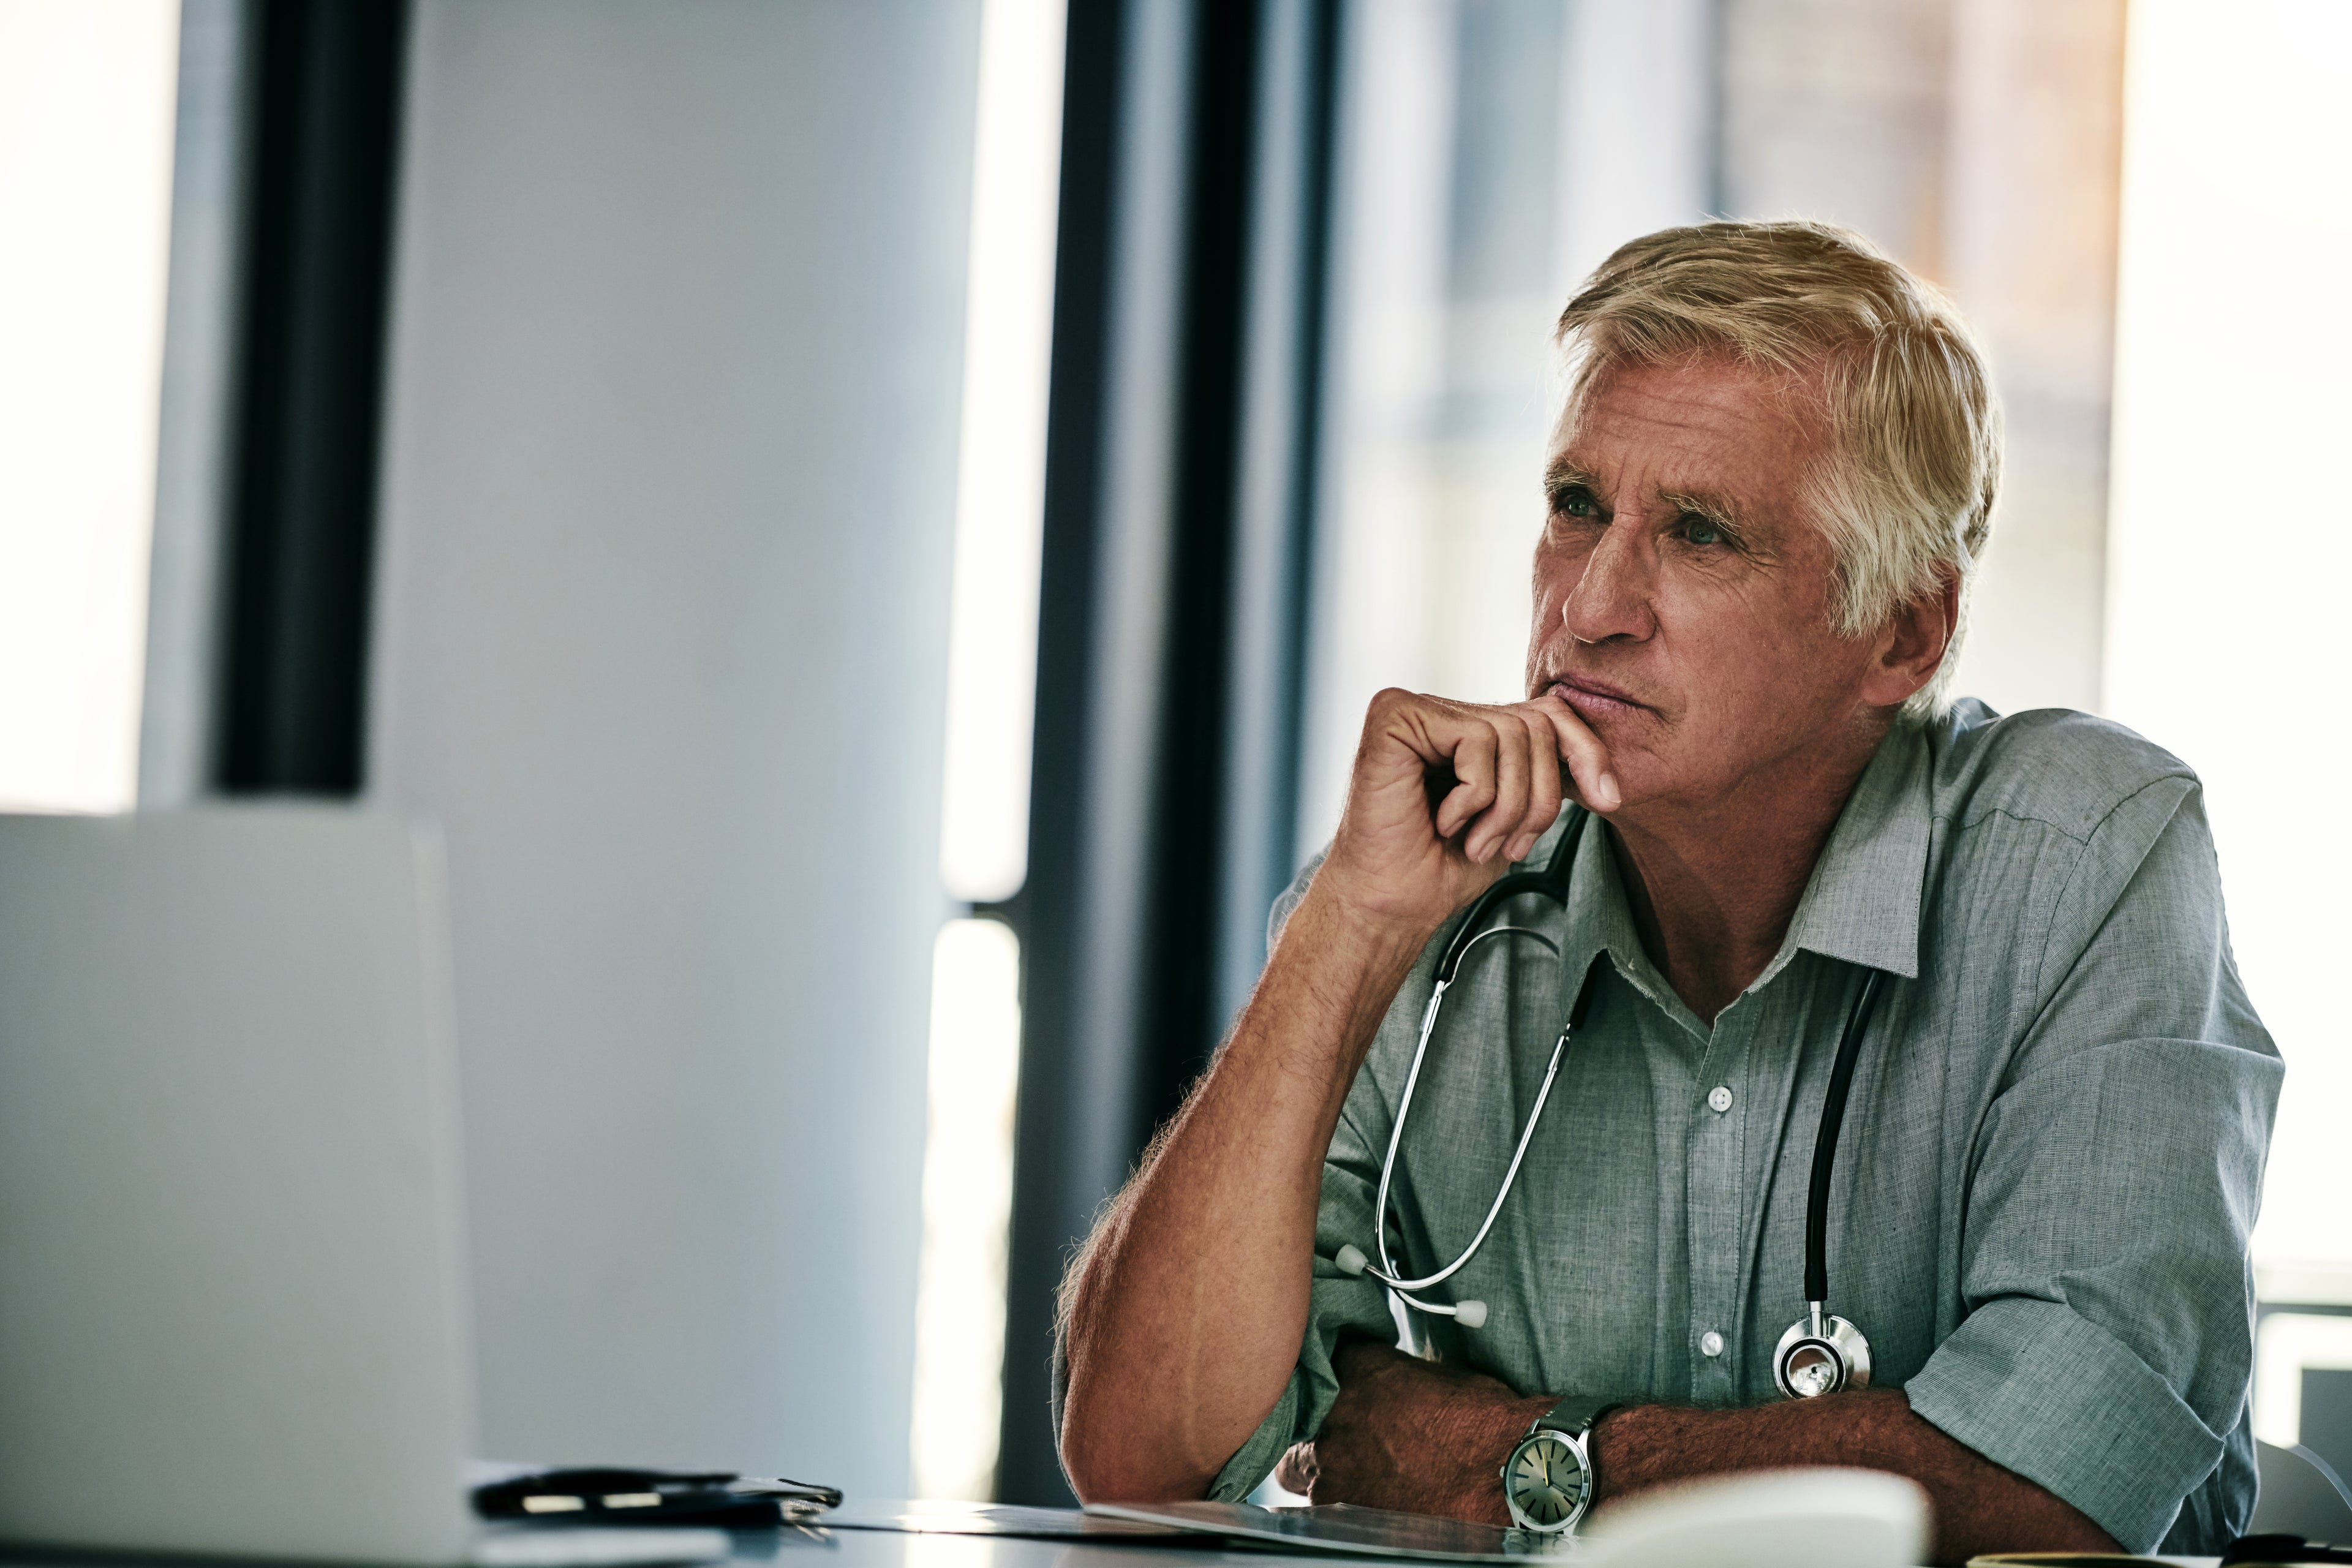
{"x": 233, "y": 1310}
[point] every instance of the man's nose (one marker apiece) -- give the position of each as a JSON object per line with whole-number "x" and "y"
{"x": 1611, "y": 597}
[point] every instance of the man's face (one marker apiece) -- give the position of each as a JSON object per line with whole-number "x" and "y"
{"x": 1681, "y": 596}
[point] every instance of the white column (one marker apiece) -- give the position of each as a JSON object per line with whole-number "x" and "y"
{"x": 669, "y": 499}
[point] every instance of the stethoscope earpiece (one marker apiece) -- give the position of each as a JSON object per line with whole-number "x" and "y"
{"x": 1469, "y": 1314}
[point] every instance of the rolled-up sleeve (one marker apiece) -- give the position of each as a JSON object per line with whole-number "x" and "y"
{"x": 2107, "y": 1344}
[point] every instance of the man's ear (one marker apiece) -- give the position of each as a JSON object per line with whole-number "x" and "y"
{"x": 1914, "y": 643}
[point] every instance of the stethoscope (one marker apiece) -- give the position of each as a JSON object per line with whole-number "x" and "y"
{"x": 1821, "y": 1353}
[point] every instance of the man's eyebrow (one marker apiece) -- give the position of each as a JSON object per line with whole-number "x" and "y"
{"x": 1711, "y": 504}
{"x": 1750, "y": 540}
{"x": 1560, "y": 473}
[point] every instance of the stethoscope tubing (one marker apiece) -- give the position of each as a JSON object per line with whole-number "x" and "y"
{"x": 1527, "y": 1134}
{"x": 1825, "y": 1142}
{"x": 1553, "y": 882}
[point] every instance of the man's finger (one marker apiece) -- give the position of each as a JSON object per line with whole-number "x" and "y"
{"x": 1543, "y": 784}
{"x": 1497, "y": 824}
{"x": 1297, "y": 1469}
{"x": 1587, "y": 758}
{"x": 1474, "y": 777}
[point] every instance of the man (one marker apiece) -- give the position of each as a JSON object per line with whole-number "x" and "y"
{"x": 1764, "y": 500}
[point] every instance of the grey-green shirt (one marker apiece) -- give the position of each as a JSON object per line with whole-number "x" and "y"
{"x": 2051, "y": 1160}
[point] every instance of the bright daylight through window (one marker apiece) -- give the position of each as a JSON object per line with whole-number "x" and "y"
{"x": 86, "y": 103}
{"x": 2234, "y": 324}
{"x": 991, "y": 679}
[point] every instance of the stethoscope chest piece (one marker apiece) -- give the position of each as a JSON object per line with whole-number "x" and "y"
{"x": 1821, "y": 1355}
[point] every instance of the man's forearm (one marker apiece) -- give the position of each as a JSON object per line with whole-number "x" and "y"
{"x": 1978, "y": 1506}
{"x": 1186, "y": 1310}
{"x": 1405, "y": 1433}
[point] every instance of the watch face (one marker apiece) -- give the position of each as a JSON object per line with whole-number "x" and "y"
{"x": 1547, "y": 1482}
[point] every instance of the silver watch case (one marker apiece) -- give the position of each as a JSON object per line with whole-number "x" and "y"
{"x": 1575, "y": 1508}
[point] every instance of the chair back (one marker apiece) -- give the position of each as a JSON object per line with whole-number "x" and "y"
{"x": 2300, "y": 1495}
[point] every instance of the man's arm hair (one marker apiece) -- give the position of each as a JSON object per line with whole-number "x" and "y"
{"x": 1109, "y": 1219}
{"x": 1424, "y": 1437}
{"x": 1180, "y": 1319}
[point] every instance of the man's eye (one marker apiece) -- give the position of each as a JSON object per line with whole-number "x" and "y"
{"x": 1698, "y": 530}
{"x": 1576, "y": 501}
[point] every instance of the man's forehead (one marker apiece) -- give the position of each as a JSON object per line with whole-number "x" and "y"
{"x": 1679, "y": 427}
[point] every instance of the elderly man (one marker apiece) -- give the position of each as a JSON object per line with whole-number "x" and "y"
{"x": 1763, "y": 503}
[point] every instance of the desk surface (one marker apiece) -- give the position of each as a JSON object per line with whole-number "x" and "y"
{"x": 800, "y": 1547}
{"x": 821, "y": 1548}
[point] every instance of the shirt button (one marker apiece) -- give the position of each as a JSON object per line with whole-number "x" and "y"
{"x": 1720, "y": 1098}
{"x": 1710, "y": 1344}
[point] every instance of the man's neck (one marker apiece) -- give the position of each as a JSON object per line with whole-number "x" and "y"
{"x": 1713, "y": 888}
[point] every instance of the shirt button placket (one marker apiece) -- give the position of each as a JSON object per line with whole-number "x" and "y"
{"x": 1713, "y": 1203}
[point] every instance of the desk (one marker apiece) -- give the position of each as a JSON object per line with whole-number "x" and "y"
{"x": 870, "y": 1549}
{"x": 817, "y": 1547}
{"x": 820, "y": 1548}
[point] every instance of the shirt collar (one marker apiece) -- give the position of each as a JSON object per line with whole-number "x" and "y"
{"x": 1863, "y": 903}
{"x": 1600, "y": 918}
{"x": 1860, "y": 905}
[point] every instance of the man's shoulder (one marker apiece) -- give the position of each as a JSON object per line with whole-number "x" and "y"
{"x": 2053, "y": 767}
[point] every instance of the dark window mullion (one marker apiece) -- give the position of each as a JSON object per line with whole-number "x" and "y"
{"x": 317, "y": 263}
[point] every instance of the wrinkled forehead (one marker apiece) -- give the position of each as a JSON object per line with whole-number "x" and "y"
{"x": 1695, "y": 424}
{"x": 1584, "y": 360}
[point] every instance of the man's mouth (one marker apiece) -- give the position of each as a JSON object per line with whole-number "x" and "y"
{"x": 1596, "y": 698}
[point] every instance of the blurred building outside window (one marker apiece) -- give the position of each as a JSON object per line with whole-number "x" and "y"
{"x": 86, "y": 91}
{"x": 1491, "y": 151}
{"x": 975, "y": 1039}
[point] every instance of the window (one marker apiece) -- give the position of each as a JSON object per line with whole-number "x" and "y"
{"x": 975, "y": 1047}
{"x": 2225, "y": 601}
{"x": 86, "y": 91}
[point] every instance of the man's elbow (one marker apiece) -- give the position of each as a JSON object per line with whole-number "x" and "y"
{"x": 1108, "y": 1466}
{"x": 1097, "y": 1477}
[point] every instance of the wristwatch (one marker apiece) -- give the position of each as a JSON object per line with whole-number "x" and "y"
{"x": 1547, "y": 1479}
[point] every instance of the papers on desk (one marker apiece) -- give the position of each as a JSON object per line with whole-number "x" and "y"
{"x": 1775, "y": 1519}
{"x": 994, "y": 1518}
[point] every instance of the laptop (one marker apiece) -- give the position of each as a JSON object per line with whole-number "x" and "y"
{"x": 233, "y": 1311}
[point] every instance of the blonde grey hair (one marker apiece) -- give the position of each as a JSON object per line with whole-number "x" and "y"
{"x": 1904, "y": 488}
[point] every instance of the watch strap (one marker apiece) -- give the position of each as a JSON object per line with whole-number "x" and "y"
{"x": 1576, "y": 1414}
